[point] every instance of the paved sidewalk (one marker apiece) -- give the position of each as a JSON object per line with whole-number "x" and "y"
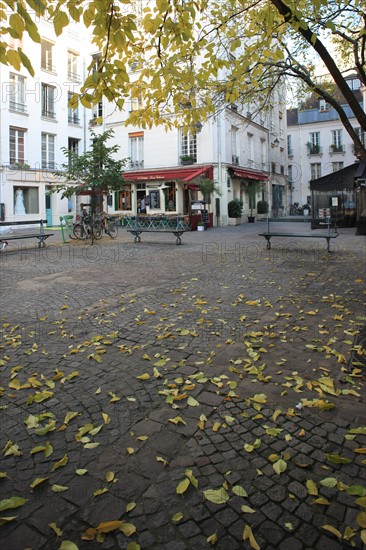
{"x": 163, "y": 397}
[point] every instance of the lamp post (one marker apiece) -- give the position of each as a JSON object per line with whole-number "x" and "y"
{"x": 274, "y": 144}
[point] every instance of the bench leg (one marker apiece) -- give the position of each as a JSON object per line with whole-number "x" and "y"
{"x": 137, "y": 236}
{"x": 178, "y": 239}
{"x": 268, "y": 239}
{"x": 328, "y": 244}
{"x": 3, "y": 245}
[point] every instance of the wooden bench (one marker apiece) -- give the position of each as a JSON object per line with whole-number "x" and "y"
{"x": 331, "y": 233}
{"x": 41, "y": 236}
{"x": 269, "y": 234}
{"x": 138, "y": 230}
{"x": 157, "y": 224}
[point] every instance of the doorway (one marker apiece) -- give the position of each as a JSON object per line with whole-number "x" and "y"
{"x": 48, "y": 200}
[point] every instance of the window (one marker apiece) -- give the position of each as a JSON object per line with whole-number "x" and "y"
{"x": 72, "y": 114}
{"x": 16, "y": 145}
{"x": 48, "y": 150}
{"x": 123, "y": 199}
{"x": 73, "y": 146}
{"x": 337, "y": 138}
{"x": 188, "y": 145}
{"x": 315, "y": 138}
{"x": 361, "y": 134}
{"x": 290, "y": 176}
{"x": 354, "y": 83}
{"x": 47, "y": 55}
{"x": 26, "y": 200}
{"x": 72, "y": 66}
{"x": 136, "y": 150}
{"x": 250, "y": 149}
{"x": 263, "y": 154}
{"x": 135, "y": 103}
{"x": 337, "y": 166}
{"x": 280, "y": 124}
{"x": 323, "y": 105}
{"x": 290, "y": 150}
{"x": 98, "y": 110}
{"x": 17, "y": 93}
{"x": 48, "y": 101}
{"x": 314, "y": 143}
{"x": 315, "y": 170}
{"x": 234, "y": 145}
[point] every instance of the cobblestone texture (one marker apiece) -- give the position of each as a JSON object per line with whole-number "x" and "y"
{"x": 232, "y": 337}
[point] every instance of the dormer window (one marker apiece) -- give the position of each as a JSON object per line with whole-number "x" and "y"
{"x": 323, "y": 105}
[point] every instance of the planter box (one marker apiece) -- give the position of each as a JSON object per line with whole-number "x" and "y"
{"x": 200, "y": 227}
{"x": 234, "y": 221}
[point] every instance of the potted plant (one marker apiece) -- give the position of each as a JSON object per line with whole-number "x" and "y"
{"x": 186, "y": 159}
{"x": 200, "y": 226}
{"x": 262, "y": 207}
{"x": 235, "y": 210}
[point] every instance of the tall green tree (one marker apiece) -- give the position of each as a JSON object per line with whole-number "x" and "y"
{"x": 203, "y": 54}
{"x": 96, "y": 171}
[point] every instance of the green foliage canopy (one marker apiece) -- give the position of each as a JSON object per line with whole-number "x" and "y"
{"x": 203, "y": 54}
{"x": 96, "y": 170}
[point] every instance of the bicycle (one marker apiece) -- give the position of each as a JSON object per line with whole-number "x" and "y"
{"x": 85, "y": 230}
{"x": 106, "y": 224}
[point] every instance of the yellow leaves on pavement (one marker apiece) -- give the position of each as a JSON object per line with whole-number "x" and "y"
{"x": 177, "y": 517}
{"x": 37, "y": 482}
{"x": 185, "y": 483}
{"x": 56, "y": 529}
{"x": 251, "y": 447}
{"x": 280, "y": 466}
{"x": 311, "y": 487}
{"x": 217, "y": 496}
{"x": 248, "y": 535}
{"x": 64, "y": 460}
{"x": 333, "y": 530}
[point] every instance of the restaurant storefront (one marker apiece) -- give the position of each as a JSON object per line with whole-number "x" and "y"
{"x": 158, "y": 192}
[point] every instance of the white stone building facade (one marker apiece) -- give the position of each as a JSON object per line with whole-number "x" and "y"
{"x": 318, "y": 144}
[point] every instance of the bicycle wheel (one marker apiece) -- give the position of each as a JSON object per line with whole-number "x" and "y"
{"x": 78, "y": 231}
{"x": 112, "y": 230}
{"x": 97, "y": 230}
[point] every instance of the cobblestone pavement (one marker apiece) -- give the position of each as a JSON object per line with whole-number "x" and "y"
{"x": 209, "y": 395}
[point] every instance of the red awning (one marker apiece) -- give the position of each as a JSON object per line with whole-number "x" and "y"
{"x": 182, "y": 174}
{"x": 248, "y": 174}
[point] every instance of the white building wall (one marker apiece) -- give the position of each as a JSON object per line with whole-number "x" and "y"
{"x": 32, "y": 177}
{"x": 300, "y": 159}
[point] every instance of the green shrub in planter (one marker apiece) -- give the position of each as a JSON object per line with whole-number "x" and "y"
{"x": 262, "y": 207}
{"x": 235, "y": 208}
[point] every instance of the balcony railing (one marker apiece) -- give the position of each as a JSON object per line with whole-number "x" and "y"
{"x": 48, "y": 67}
{"x": 336, "y": 149}
{"x": 73, "y": 76}
{"x": 290, "y": 152}
{"x": 136, "y": 165}
{"x": 48, "y": 114}
{"x": 235, "y": 159}
{"x": 18, "y": 107}
{"x": 73, "y": 119}
{"x": 314, "y": 149}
